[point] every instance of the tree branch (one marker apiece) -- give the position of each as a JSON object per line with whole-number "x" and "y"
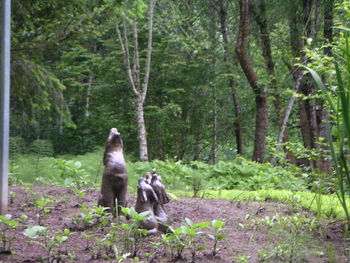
{"x": 149, "y": 51}
{"x": 125, "y": 50}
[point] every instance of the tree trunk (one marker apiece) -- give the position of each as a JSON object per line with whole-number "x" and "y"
{"x": 87, "y": 98}
{"x": 133, "y": 72}
{"x": 212, "y": 31}
{"x": 260, "y": 91}
{"x": 236, "y": 104}
{"x": 141, "y": 128}
{"x": 322, "y": 114}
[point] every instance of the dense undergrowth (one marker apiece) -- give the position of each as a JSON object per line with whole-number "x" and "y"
{"x": 239, "y": 179}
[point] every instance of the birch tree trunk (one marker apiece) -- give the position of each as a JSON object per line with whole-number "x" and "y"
{"x": 133, "y": 72}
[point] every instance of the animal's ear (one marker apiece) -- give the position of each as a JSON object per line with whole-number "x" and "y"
{"x": 155, "y": 196}
{"x": 144, "y": 196}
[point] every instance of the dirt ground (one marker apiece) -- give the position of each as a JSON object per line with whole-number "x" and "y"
{"x": 244, "y": 242}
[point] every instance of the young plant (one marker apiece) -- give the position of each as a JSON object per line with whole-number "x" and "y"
{"x": 175, "y": 240}
{"x": 218, "y": 234}
{"x": 6, "y": 224}
{"x": 44, "y": 208}
{"x": 192, "y": 234}
{"x": 50, "y": 242}
{"x": 91, "y": 217}
{"x": 133, "y": 234}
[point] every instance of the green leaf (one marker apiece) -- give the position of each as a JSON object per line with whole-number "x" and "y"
{"x": 202, "y": 225}
{"x": 221, "y": 236}
{"x": 34, "y": 231}
{"x": 217, "y": 223}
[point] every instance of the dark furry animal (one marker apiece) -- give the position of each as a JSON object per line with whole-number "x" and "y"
{"x": 146, "y": 200}
{"x": 115, "y": 178}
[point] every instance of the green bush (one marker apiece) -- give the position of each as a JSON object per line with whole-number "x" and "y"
{"x": 17, "y": 146}
{"x": 41, "y": 147}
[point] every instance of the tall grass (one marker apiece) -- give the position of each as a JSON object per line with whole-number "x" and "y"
{"x": 339, "y": 105}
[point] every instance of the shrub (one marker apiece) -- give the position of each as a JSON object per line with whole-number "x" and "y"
{"x": 17, "y": 146}
{"x": 41, "y": 147}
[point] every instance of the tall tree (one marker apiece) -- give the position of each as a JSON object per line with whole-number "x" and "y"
{"x": 134, "y": 73}
{"x": 231, "y": 81}
{"x": 260, "y": 91}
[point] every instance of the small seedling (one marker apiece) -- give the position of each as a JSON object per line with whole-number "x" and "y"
{"x": 218, "y": 234}
{"x": 12, "y": 197}
{"x": 6, "y": 224}
{"x": 50, "y": 241}
{"x": 192, "y": 234}
{"x": 44, "y": 208}
{"x": 133, "y": 234}
{"x": 91, "y": 217}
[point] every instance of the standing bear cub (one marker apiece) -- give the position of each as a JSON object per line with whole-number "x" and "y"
{"x": 115, "y": 178}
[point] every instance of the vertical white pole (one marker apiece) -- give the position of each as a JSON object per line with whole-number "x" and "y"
{"x": 4, "y": 102}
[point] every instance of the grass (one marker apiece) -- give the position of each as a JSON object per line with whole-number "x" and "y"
{"x": 330, "y": 206}
{"x": 29, "y": 169}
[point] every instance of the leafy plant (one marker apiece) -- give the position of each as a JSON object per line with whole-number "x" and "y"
{"x": 186, "y": 236}
{"x": 51, "y": 242}
{"x": 44, "y": 206}
{"x": 91, "y": 217}
{"x": 6, "y": 224}
{"x": 339, "y": 105}
{"x": 218, "y": 234}
{"x": 289, "y": 235}
{"x": 73, "y": 174}
{"x": 132, "y": 233}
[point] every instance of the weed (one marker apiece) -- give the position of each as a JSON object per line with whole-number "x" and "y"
{"x": 91, "y": 217}
{"x": 132, "y": 233}
{"x": 44, "y": 206}
{"x": 53, "y": 244}
{"x": 218, "y": 234}
{"x": 6, "y": 224}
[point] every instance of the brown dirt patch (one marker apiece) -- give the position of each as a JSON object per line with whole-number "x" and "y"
{"x": 242, "y": 241}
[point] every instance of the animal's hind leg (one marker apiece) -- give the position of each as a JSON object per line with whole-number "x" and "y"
{"x": 107, "y": 199}
{"x": 121, "y": 198}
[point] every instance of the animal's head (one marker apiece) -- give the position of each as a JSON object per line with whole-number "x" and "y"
{"x": 114, "y": 137}
{"x": 145, "y": 192}
{"x": 148, "y": 177}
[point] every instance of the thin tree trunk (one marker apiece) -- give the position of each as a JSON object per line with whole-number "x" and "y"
{"x": 236, "y": 104}
{"x": 140, "y": 91}
{"x": 212, "y": 31}
{"x": 297, "y": 45}
{"x": 141, "y": 127}
{"x": 322, "y": 113}
{"x": 87, "y": 98}
{"x": 260, "y": 91}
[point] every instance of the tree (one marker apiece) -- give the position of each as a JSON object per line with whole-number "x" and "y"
{"x": 260, "y": 91}
{"x": 133, "y": 71}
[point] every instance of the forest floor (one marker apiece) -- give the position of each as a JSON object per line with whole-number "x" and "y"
{"x": 246, "y": 241}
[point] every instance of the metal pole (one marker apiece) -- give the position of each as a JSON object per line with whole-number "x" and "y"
{"x": 4, "y": 102}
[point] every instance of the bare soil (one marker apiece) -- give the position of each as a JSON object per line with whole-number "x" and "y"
{"x": 243, "y": 243}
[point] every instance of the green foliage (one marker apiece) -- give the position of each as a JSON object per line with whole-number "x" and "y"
{"x": 338, "y": 103}
{"x": 331, "y": 206}
{"x": 53, "y": 243}
{"x": 44, "y": 207}
{"x": 218, "y": 234}
{"x": 41, "y": 147}
{"x": 90, "y": 217}
{"x": 6, "y": 224}
{"x": 73, "y": 174}
{"x": 289, "y": 235}
{"x": 17, "y": 145}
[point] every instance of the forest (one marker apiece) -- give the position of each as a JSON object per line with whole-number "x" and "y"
{"x": 241, "y": 106}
